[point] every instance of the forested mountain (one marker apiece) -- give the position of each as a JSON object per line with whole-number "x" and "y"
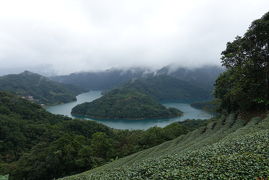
{"x": 101, "y": 80}
{"x": 203, "y": 77}
{"x": 167, "y": 88}
{"x": 37, "y": 145}
{"x": 38, "y": 88}
{"x": 125, "y": 103}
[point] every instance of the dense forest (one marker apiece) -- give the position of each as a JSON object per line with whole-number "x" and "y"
{"x": 38, "y": 88}
{"x": 35, "y": 144}
{"x": 125, "y": 103}
{"x": 245, "y": 84}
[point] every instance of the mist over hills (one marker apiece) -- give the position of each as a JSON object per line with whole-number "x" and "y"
{"x": 165, "y": 88}
{"x": 182, "y": 90}
{"x": 61, "y": 89}
{"x": 102, "y": 79}
{"x": 202, "y": 77}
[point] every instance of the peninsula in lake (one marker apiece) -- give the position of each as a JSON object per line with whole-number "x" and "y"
{"x": 125, "y": 104}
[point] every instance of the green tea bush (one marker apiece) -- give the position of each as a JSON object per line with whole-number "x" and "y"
{"x": 226, "y": 153}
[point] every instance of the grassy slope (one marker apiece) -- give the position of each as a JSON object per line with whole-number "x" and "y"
{"x": 225, "y": 149}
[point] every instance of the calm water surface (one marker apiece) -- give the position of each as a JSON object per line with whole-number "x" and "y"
{"x": 188, "y": 113}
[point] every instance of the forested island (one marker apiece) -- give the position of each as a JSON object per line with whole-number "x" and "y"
{"x": 124, "y": 103}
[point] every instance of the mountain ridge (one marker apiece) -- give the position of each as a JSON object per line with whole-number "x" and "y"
{"x": 113, "y": 78}
{"x": 38, "y": 88}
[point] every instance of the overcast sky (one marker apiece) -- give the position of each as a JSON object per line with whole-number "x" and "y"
{"x": 64, "y": 36}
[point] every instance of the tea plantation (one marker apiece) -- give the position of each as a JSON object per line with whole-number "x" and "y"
{"x": 227, "y": 148}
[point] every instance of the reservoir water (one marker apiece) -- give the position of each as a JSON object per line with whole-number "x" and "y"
{"x": 188, "y": 113}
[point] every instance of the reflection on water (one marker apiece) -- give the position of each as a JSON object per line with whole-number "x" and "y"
{"x": 188, "y": 113}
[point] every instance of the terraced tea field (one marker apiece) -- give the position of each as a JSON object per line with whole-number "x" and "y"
{"x": 227, "y": 148}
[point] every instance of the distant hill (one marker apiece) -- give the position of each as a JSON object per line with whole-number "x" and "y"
{"x": 101, "y": 80}
{"x": 203, "y": 77}
{"x": 124, "y": 104}
{"x": 38, "y": 88}
{"x": 167, "y": 88}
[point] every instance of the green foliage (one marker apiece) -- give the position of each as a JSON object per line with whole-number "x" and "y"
{"x": 101, "y": 145}
{"x": 41, "y": 89}
{"x": 35, "y": 144}
{"x": 55, "y": 159}
{"x": 245, "y": 84}
{"x": 224, "y": 151}
{"x": 124, "y": 104}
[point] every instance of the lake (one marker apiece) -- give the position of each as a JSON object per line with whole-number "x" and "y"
{"x": 188, "y": 113}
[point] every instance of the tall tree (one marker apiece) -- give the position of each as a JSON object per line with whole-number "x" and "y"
{"x": 245, "y": 84}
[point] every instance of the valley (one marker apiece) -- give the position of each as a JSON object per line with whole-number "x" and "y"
{"x": 134, "y": 90}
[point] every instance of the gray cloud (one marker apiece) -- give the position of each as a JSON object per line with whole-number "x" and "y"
{"x": 80, "y": 35}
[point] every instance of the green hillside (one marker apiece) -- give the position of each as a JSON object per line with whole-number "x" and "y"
{"x": 227, "y": 148}
{"x": 37, "y": 145}
{"x": 167, "y": 88}
{"x": 200, "y": 77}
{"x": 125, "y": 104}
{"x": 38, "y": 88}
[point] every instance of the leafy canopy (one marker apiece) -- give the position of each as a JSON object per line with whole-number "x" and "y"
{"x": 245, "y": 84}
